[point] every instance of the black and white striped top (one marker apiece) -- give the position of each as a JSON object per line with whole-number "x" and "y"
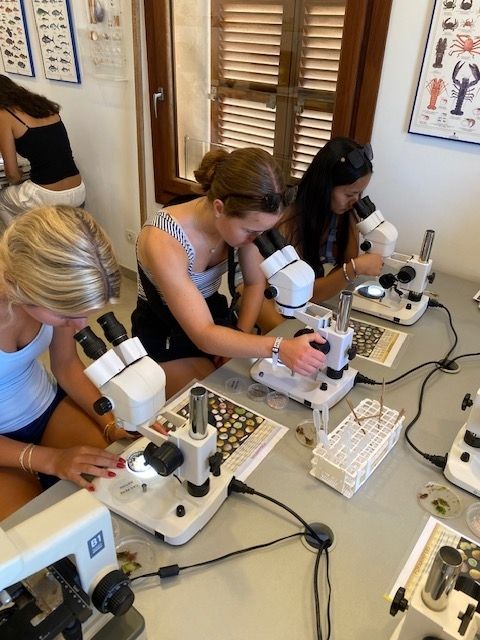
{"x": 208, "y": 281}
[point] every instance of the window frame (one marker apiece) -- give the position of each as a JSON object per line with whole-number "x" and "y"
{"x": 359, "y": 78}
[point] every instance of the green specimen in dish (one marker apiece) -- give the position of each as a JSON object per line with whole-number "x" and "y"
{"x": 128, "y": 562}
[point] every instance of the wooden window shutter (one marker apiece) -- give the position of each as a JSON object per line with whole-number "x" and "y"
{"x": 246, "y": 72}
{"x": 320, "y": 43}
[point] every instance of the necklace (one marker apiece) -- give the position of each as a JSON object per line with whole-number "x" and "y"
{"x": 207, "y": 239}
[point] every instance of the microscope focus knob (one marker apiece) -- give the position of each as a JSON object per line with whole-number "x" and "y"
{"x": 431, "y": 278}
{"x": 113, "y": 594}
{"x": 324, "y": 347}
{"x": 467, "y": 402}
{"x": 352, "y": 352}
{"x": 366, "y": 245}
{"x": 102, "y": 406}
{"x": 165, "y": 459}
{"x": 270, "y": 292}
{"x": 399, "y": 602}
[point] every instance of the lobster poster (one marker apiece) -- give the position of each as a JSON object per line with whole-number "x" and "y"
{"x": 447, "y": 102}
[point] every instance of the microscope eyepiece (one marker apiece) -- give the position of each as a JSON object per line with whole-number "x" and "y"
{"x": 265, "y": 245}
{"x": 114, "y": 330}
{"x": 92, "y": 345}
{"x": 364, "y": 207}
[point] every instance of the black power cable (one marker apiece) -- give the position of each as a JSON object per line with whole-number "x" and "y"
{"x": 236, "y": 486}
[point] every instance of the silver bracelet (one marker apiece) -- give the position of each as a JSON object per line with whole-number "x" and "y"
{"x": 276, "y": 350}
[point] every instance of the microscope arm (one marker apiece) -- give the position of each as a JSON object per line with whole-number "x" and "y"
{"x": 79, "y": 525}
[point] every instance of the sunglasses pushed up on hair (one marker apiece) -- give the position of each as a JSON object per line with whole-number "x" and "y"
{"x": 357, "y": 157}
{"x": 270, "y": 202}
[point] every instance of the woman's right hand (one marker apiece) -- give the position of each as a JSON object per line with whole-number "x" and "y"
{"x": 368, "y": 264}
{"x": 70, "y": 464}
{"x": 298, "y": 355}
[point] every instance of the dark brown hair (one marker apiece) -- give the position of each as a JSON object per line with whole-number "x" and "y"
{"x": 13, "y": 96}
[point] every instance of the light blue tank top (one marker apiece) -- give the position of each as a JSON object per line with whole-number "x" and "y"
{"x": 26, "y": 388}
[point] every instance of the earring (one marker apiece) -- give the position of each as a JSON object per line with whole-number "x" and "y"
{"x": 217, "y": 215}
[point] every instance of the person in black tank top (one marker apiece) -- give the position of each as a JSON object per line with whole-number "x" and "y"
{"x": 30, "y": 126}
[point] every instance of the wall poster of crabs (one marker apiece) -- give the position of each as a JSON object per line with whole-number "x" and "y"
{"x": 14, "y": 40}
{"x": 447, "y": 103}
{"x": 57, "y": 43}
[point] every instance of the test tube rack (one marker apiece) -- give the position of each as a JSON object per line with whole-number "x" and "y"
{"x": 347, "y": 456}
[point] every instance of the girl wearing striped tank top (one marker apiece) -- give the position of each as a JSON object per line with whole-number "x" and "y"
{"x": 182, "y": 252}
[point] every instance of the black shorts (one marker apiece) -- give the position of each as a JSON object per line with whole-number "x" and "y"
{"x": 162, "y": 336}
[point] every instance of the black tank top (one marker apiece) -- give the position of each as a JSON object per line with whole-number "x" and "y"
{"x": 48, "y": 150}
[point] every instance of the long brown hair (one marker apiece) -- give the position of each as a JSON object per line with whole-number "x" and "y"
{"x": 13, "y": 96}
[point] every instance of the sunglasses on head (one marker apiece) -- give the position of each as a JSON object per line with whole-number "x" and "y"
{"x": 358, "y": 156}
{"x": 270, "y": 202}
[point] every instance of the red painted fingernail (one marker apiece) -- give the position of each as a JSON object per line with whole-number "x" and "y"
{"x": 91, "y": 488}
{"x": 111, "y": 474}
{"x": 122, "y": 460}
{"x": 121, "y": 464}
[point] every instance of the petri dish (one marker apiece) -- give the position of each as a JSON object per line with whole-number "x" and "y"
{"x": 258, "y": 392}
{"x": 439, "y": 500}
{"x": 135, "y": 556}
{"x": 305, "y": 433}
{"x": 472, "y": 518}
{"x": 236, "y": 385}
{"x": 277, "y": 400}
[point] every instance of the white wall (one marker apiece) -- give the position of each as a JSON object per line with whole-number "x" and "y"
{"x": 100, "y": 118}
{"x": 422, "y": 182}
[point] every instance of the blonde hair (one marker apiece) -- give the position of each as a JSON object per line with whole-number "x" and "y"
{"x": 58, "y": 258}
{"x": 241, "y": 179}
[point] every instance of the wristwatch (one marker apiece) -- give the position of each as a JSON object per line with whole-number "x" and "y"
{"x": 276, "y": 350}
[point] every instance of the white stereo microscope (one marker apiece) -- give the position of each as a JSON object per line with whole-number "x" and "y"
{"x": 398, "y": 294}
{"x": 291, "y": 287}
{"x": 463, "y": 460}
{"x": 443, "y": 605}
{"x": 171, "y": 485}
{"x": 42, "y": 592}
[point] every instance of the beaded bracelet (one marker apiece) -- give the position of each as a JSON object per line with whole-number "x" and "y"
{"x": 345, "y": 274}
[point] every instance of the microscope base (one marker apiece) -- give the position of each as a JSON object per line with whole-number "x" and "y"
{"x": 421, "y": 622}
{"x": 303, "y": 389}
{"x": 465, "y": 474}
{"x": 162, "y": 506}
{"x": 400, "y": 311}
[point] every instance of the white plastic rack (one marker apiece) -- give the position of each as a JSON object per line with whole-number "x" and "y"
{"x": 353, "y": 450}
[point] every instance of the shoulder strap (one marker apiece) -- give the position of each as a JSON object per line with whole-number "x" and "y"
{"x": 15, "y": 116}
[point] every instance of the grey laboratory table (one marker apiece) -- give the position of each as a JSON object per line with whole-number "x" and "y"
{"x": 268, "y": 593}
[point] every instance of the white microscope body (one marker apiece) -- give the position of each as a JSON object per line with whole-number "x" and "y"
{"x": 78, "y": 526}
{"x": 463, "y": 461}
{"x": 291, "y": 286}
{"x": 437, "y": 610}
{"x": 398, "y": 295}
{"x": 171, "y": 485}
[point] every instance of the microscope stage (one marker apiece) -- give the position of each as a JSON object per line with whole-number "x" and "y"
{"x": 304, "y": 389}
{"x": 400, "y": 311}
{"x": 160, "y": 505}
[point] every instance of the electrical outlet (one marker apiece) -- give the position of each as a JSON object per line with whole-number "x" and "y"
{"x": 130, "y": 236}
